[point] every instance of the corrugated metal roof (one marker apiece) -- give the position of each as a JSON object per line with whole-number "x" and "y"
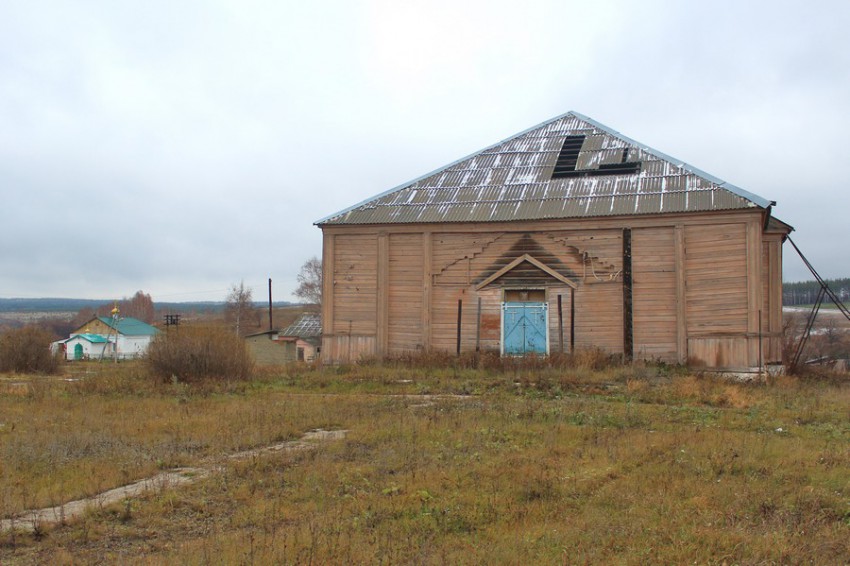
{"x": 93, "y": 338}
{"x": 512, "y": 180}
{"x": 130, "y": 326}
{"x": 307, "y": 325}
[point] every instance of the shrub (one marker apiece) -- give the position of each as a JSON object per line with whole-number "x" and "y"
{"x": 27, "y": 350}
{"x": 195, "y": 354}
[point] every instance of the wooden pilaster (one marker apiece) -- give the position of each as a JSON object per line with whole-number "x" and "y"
{"x": 427, "y": 285}
{"x": 328, "y": 269}
{"x": 754, "y": 288}
{"x": 383, "y": 292}
{"x": 681, "y": 301}
{"x": 628, "y": 334}
{"x": 774, "y": 258}
{"x": 327, "y": 296}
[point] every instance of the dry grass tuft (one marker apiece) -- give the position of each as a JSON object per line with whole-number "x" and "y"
{"x": 630, "y": 464}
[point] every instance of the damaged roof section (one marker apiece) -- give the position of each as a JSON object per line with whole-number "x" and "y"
{"x": 568, "y": 167}
{"x": 308, "y": 324}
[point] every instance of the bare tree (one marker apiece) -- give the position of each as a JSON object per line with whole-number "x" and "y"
{"x": 239, "y": 308}
{"x": 140, "y": 306}
{"x": 82, "y": 317}
{"x": 310, "y": 282}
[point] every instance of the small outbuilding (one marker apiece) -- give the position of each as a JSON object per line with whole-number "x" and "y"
{"x": 271, "y": 347}
{"x": 300, "y": 341}
{"x": 308, "y": 333}
{"x": 566, "y": 235}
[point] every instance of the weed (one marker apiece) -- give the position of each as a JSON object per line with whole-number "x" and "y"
{"x": 619, "y": 465}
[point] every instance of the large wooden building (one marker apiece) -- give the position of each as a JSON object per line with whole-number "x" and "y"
{"x": 564, "y": 236}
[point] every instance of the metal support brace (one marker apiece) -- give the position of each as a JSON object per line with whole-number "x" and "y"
{"x": 824, "y": 292}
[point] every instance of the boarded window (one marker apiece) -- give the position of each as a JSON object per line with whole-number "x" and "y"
{"x": 525, "y": 295}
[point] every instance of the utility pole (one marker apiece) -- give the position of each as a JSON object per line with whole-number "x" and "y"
{"x": 271, "y": 327}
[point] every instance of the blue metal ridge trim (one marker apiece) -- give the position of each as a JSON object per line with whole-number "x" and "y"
{"x": 752, "y": 197}
{"x": 435, "y": 171}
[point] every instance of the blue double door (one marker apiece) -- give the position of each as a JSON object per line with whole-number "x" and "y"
{"x": 525, "y": 328}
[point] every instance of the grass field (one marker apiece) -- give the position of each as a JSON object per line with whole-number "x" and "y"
{"x": 628, "y": 465}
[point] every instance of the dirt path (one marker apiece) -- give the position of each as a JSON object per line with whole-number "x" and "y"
{"x": 32, "y": 519}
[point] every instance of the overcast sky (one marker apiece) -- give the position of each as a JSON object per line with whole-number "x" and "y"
{"x": 180, "y": 147}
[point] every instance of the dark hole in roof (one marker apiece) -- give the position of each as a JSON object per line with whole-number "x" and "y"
{"x": 565, "y": 166}
{"x": 568, "y": 157}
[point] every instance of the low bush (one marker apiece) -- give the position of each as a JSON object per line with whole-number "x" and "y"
{"x": 197, "y": 354}
{"x": 27, "y": 350}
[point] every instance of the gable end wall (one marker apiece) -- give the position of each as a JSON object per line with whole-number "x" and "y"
{"x": 706, "y": 288}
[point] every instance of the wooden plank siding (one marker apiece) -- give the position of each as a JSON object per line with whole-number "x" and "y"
{"x": 599, "y": 316}
{"x": 764, "y": 337}
{"x": 460, "y": 260}
{"x": 654, "y": 306}
{"x": 554, "y": 337}
{"x": 405, "y": 293}
{"x": 444, "y": 309}
{"x": 717, "y": 295}
{"x": 577, "y": 256}
{"x": 772, "y": 285}
{"x": 716, "y": 279}
{"x": 701, "y": 284}
{"x": 355, "y": 284}
{"x": 352, "y": 289}
{"x": 755, "y": 354}
{"x": 342, "y": 348}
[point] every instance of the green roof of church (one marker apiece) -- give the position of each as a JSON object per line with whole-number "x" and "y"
{"x": 130, "y": 326}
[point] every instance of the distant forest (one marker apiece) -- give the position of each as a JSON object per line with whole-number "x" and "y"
{"x": 798, "y": 293}
{"x": 74, "y": 305}
{"x": 805, "y": 292}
